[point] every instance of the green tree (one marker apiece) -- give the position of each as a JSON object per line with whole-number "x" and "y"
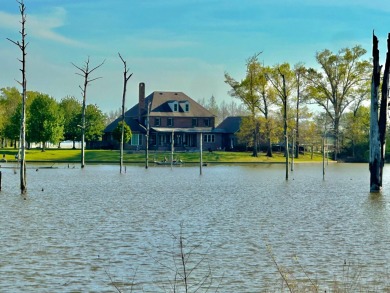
{"x": 357, "y": 131}
{"x": 10, "y": 99}
{"x": 94, "y": 123}
{"x": 245, "y": 90}
{"x": 71, "y": 108}
{"x": 45, "y": 121}
{"x": 117, "y": 133}
{"x": 337, "y": 83}
{"x": 12, "y": 126}
{"x": 282, "y": 78}
{"x": 267, "y": 99}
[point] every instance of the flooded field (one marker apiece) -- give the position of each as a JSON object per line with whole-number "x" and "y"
{"x": 93, "y": 229}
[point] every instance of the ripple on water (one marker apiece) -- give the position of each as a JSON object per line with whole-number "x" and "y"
{"x": 90, "y": 225}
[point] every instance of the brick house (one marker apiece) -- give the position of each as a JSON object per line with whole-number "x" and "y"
{"x": 171, "y": 115}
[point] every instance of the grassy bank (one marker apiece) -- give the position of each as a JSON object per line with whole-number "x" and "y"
{"x": 112, "y": 156}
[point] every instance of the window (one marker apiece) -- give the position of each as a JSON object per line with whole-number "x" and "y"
{"x": 206, "y": 122}
{"x": 209, "y": 138}
{"x": 170, "y": 122}
{"x": 175, "y": 107}
{"x": 157, "y": 121}
{"x": 194, "y": 122}
{"x": 187, "y": 107}
{"x": 136, "y": 139}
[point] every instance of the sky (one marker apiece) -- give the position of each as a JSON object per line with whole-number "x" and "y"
{"x": 175, "y": 45}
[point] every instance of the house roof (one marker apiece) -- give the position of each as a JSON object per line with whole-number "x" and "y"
{"x": 231, "y": 124}
{"x": 160, "y": 105}
{"x": 133, "y": 123}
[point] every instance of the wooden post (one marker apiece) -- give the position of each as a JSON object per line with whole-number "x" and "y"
{"x": 201, "y": 153}
{"x": 147, "y": 137}
{"x": 378, "y": 121}
{"x": 173, "y": 138}
{"x": 293, "y": 150}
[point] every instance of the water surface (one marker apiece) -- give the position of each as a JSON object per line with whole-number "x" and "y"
{"x": 82, "y": 229}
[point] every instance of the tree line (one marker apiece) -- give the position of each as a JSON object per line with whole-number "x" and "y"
{"x": 47, "y": 121}
{"x": 306, "y": 104}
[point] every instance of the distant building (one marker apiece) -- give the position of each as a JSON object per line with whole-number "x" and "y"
{"x": 171, "y": 115}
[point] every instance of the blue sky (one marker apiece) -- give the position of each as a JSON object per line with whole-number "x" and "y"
{"x": 176, "y": 45}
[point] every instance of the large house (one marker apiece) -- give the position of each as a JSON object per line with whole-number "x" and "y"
{"x": 172, "y": 116}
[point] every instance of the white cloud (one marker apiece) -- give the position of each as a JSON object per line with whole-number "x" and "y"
{"x": 40, "y": 26}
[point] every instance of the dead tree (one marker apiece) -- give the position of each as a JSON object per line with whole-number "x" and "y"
{"x": 22, "y": 46}
{"x": 85, "y": 72}
{"x": 378, "y": 121}
{"x": 126, "y": 78}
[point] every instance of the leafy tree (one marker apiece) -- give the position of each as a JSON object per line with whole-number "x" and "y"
{"x": 94, "y": 123}
{"x": 338, "y": 83}
{"x": 283, "y": 81}
{"x": 311, "y": 135}
{"x": 117, "y": 133}
{"x": 301, "y": 97}
{"x": 71, "y": 108}
{"x": 357, "y": 130}
{"x": 212, "y": 106}
{"x": 45, "y": 121}
{"x": 10, "y": 98}
{"x": 245, "y": 90}
{"x": 12, "y": 127}
{"x": 267, "y": 99}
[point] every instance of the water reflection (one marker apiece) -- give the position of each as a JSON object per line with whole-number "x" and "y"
{"x": 89, "y": 225}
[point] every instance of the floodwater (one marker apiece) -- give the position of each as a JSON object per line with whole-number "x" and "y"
{"x": 240, "y": 226}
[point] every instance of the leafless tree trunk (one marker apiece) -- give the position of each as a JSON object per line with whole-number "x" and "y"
{"x": 22, "y": 46}
{"x": 85, "y": 72}
{"x": 126, "y": 78}
{"x": 378, "y": 121}
{"x": 285, "y": 126}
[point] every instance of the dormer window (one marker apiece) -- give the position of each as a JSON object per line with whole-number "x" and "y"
{"x": 174, "y": 105}
{"x": 185, "y": 105}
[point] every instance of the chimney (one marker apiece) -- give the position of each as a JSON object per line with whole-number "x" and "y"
{"x": 141, "y": 101}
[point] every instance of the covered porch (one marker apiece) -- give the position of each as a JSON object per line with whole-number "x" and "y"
{"x": 184, "y": 139}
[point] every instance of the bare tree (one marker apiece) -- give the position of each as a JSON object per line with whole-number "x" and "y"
{"x": 126, "y": 78}
{"x": 85, "y": 72}
{"x": 378, "y": 121}
{"x": 22, "y": 46}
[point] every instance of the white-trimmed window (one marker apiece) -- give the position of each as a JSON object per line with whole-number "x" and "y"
{"x": 209, "y": 138}
{"x": 157, "y": 121}
{"x": 206, "y": 122}
{"x": 194, "y": 122}
{"x": 170, "y": 121}
{"x": 136, "y": 139}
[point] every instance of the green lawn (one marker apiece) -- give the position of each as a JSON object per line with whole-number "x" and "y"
{"x": 108, "y": 156}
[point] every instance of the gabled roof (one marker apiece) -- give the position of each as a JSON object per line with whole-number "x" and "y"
{"x": 231, "y": 124}
{"x": 160, "y": 105}
{"x": 133, "y": 123}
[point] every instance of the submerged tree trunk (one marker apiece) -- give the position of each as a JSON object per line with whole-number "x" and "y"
{"x": 378, "y": 121}
{"x": 22, "y": 46}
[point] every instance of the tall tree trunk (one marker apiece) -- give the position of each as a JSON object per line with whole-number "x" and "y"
{"x": 22, "y": 46}
{"x": 255, "y": 132}
{"x": 378, "y": 121}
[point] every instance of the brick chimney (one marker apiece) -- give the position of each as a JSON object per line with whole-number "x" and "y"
{"x": 141, "y": 100}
